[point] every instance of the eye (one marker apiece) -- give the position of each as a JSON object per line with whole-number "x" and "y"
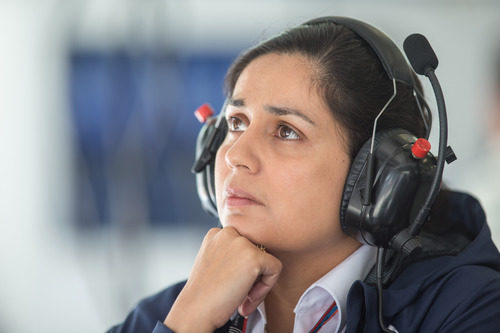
{"x": 287, "y": 133}
{"x": 235, "y": 124}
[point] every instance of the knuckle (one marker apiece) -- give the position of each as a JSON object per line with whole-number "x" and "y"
{"x": 243, "y": 245}
{"x": 279, "y": 265}
{"x": 230, "y": 231}
{"x": 211, "y": 234}
{"x": 255, "y": 271}
{"x": 251, "y": 254}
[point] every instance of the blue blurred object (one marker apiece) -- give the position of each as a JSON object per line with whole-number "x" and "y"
{"x": 135, "y": 133}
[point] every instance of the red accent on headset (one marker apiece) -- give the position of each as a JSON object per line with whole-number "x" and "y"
{"x": 420, "y": 148}
{"x": 204, "y": 112}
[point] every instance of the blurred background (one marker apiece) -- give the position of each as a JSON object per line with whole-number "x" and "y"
{"x": 98, "y": 207}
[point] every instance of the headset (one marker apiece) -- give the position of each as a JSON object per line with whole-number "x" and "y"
{"x": 393, "y": 179}
{"x": 390, "y": 177}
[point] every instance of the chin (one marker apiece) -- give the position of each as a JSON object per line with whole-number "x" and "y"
{"x": 246, "y": 227}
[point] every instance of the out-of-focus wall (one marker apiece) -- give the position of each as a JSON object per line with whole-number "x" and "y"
{"x": 56, "y": 278}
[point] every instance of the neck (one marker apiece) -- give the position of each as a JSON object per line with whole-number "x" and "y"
{"x": 299, "y": 272}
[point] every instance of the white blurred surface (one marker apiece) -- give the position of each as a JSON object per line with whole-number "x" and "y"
{"x": 53, "y": 280}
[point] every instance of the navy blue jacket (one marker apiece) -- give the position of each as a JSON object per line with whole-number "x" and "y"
{"x": 452, "y": 286}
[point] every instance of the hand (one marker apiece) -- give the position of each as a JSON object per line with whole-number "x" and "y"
{"x": 229, "y": 272}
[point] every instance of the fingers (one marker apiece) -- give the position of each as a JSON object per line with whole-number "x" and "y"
{"x": 270, "y": 271}
{"x": 229, "y": 272}
{"x": 254, "y": 298}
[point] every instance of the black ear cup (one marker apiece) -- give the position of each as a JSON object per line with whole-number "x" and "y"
{"x": 354, "y": 176}
{"x": 208, "y": 142}
{"x": 400, "y": 179}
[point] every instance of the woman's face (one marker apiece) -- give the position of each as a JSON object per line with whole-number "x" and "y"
{"x": 281, "y": 169}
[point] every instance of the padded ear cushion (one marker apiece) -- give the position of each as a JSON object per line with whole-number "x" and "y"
{"x": 357, "y": 169}
{"x": 352, "y": 178}
{"x": 205, "y": 180}
{"x": 209, "y": 173}
{"x": 204, "y": 186}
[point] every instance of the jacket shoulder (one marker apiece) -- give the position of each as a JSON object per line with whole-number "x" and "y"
{"x": 150, "y": 310}
{"x": 472, "y": 294}
{"x": 467, "y": 299}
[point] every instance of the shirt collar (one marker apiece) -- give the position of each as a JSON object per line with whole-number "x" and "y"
{"x": 337, "y": 282}
{"x": 333, "y": 286}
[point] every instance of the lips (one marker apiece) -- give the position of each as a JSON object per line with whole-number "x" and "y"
{"x": 238, "y": 198}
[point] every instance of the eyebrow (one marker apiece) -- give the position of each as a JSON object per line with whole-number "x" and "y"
{"x": 280, "y": 111}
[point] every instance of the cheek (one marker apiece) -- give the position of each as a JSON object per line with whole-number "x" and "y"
{"x": 314, "y": 193}
{"x": 305, "y": 208}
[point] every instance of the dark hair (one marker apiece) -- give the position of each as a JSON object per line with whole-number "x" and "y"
{"x": 349, "y": 77}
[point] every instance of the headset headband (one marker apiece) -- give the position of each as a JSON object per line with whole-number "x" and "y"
{"x": 393, "y": 61}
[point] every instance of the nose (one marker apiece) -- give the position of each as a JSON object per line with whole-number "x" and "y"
{"x": 243, "y": 152}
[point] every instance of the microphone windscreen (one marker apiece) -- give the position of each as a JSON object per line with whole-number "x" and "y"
{"x": 420, "y": 54}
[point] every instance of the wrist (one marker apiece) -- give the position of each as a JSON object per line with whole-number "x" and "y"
{"x": 185, "y": 319}
{"x": 179, "y": 325}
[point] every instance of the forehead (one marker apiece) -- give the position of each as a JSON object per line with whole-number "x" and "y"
{"x": 283, "y": 80}
{"x": 284, "y": 77}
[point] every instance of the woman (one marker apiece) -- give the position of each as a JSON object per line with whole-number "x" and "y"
{"x": 300, "y": 106}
